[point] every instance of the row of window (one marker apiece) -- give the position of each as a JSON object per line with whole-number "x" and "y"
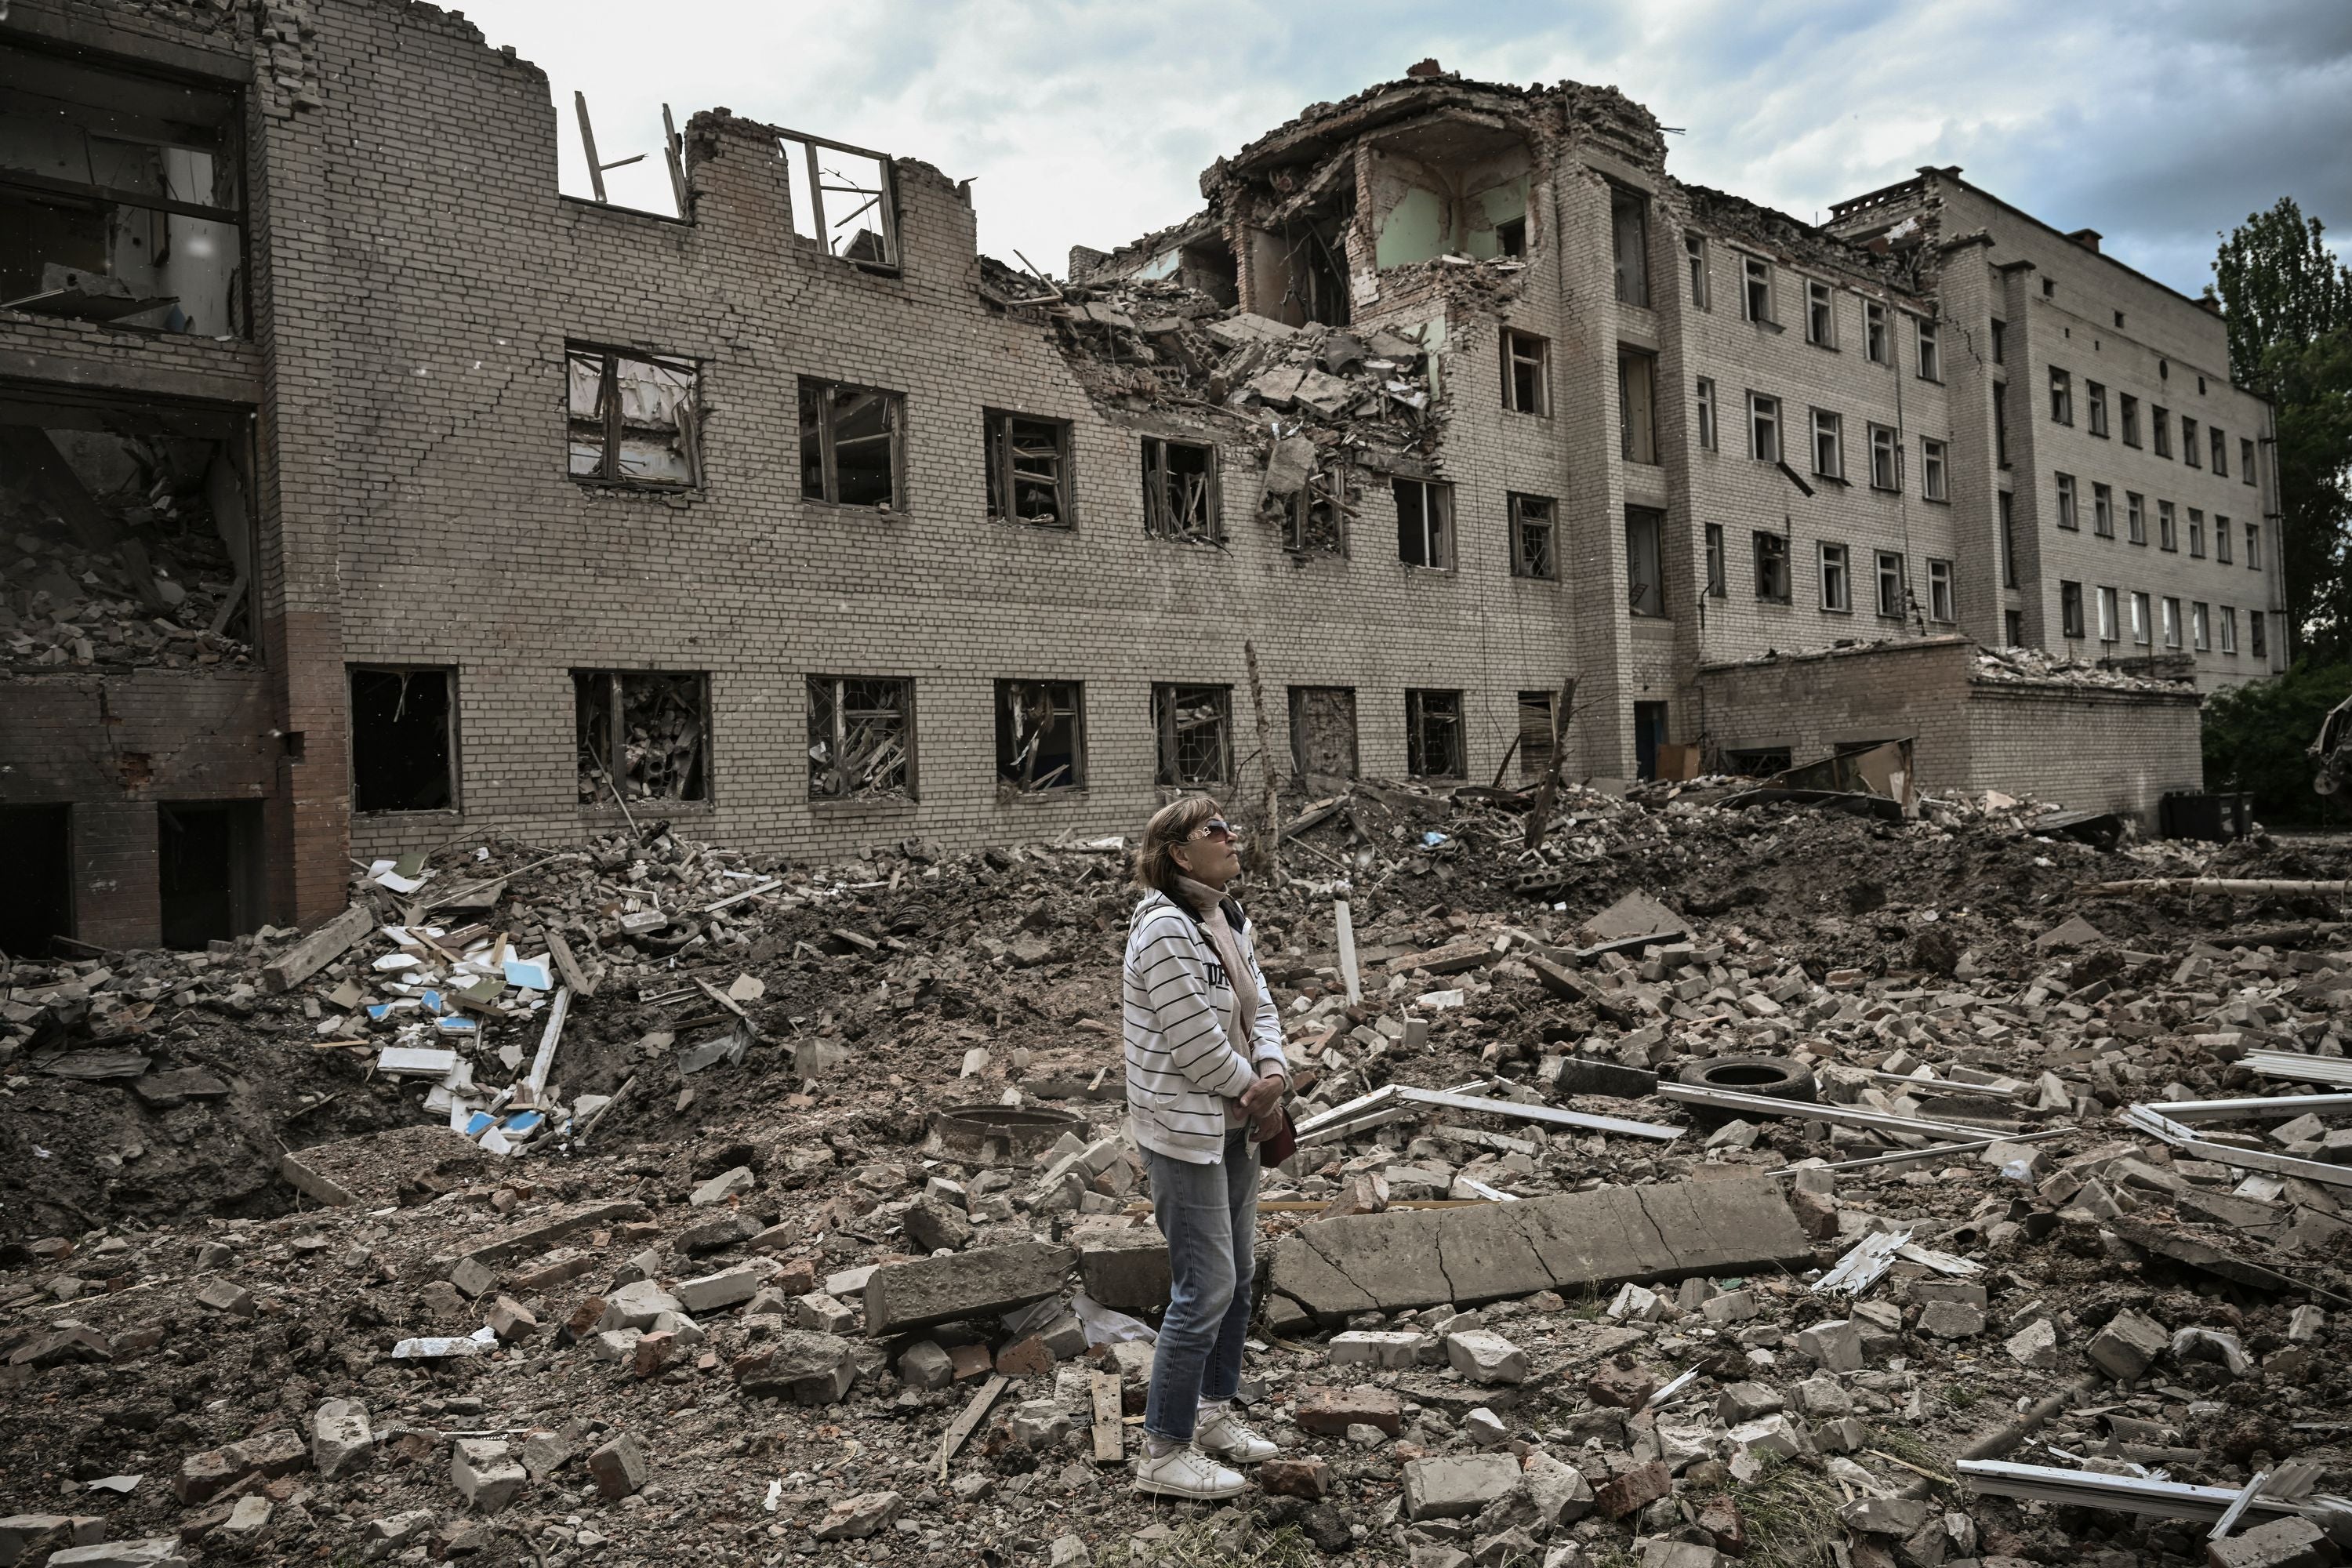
{"x": 2205, "y": 622}
{"x": 2216, "y": 443}
{"x": 1825, "y": 440}
{"x": 1891, "y": 595}
{"x": 642, "y": 737}
{"x": 2167, "y": 529}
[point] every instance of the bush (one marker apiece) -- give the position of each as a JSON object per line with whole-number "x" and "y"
{"x": 2255, "y": 735}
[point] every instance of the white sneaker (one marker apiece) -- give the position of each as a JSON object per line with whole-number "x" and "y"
{"x": 1187, "y": 1472}
{"x": 1224, "y": 1435}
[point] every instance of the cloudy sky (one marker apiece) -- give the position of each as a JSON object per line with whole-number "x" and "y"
{"x": 2155, "y": 121}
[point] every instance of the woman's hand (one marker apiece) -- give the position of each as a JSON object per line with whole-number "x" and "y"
{"x": 1264, "y": 1096}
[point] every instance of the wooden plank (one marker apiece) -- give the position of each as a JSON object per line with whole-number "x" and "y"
{"x": 533, "y": 1092}
{"x": 961, "y": 1429}
{"x": 318, "y": 950}
{"x": 567, "y": 966}
{"x": 1111, "y": 1432}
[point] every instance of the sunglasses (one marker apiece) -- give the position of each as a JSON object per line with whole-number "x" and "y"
{"x": 1219, "y": 827}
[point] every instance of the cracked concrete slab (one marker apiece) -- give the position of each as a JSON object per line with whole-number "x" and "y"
{"x": 1402, "y": 1260}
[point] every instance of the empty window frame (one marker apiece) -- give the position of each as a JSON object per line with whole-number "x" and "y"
{"x": 1886, "y": 460}
{"x": 1820, "y": 314}
{"x": 1763, "y": 427}
{"x": 1432, "y": 735}
{"x": 1894, "y": 599}
{"x": 1717, "y": 573}
{"x": 1040, "y": 736}
{"x": 1425, "y": 511}
{"x": 1537, "y": 710}
{"x": 2069, "y": 609}
{"x": 2160, "y": 424}
{"x": 1628, "y": 223}
{"x": 403, "y": 738}
{"x": 1837, "y": 579}
{"x": 861, "y": 738}
{"x": 2197, "y": 532}
{"x": 2000, "y": 342}
{"x": 635, "y": 419}
{"x": 2062, "y": 397}
{"x": 1028, "y": 469}
{"x": 1694, "y": 253}
{"x": 1756, "y": 289}
{"x": 1829, "y": 445}
{"x": 2229, "y": 629}
{"x": 843, "y": 198}
{"x": 1931, "y": 470}
{"x": 2007, "y": 510}
{"x": 1706, "y": 414}
{"x": 2068, "y": 518}
{"x": 1931, "y": 351}
{"x": 2139, "y": 630}
{"x": 2096, "y": 396}
{"x": 2102, "y": 511}
{"x": 1194, "y": 725}
{"x": 1940, "y": 603}
{"x": 1315, "y": 518}
{"x": 121, "y": 195}
{"x": 2245, "y": 461}
{"x": 2257, "y": 633}
{"x": 1526, "y": 372}
{"x": 2168, "y": 532}
{"x": 1323, "y": 734}
{"x": 2135, "y": 517}
{"x": 1645, "y": 585}
{"x": 2171, "y": 608}
{"x": 2255, "y": 549}
{"x": 2221, "y": 452}
{"x": 1179, "y": 492}
{"x": 850, "y": 444}
{"x": 2000, "y": 423}
{"x": 1535, "y": 540}
{"x": 2200, "y": 626}
{"x": 1874, "y": 345}
{"x": 1637, "y": 406}
{"x": 2189, "y": 451}
{"x": 2107, "y": 628}
{"x": 2223, "y": 540}
{"x": 641, "y": 735}
{"x": 2128, "y": 418}
{"x": 1771, "y": 567}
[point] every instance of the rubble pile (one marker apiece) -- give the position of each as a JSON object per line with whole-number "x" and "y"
{"x": 2008, "y": 664}
{"x": 1708, "y": 1183}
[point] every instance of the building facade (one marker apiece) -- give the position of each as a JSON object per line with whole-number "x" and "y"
{"x": 370, "y": 496}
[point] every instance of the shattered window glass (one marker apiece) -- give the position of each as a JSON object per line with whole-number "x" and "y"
{"x": 1038, "y": 744}
{"x": 1531, "y": 537}
{"x": 1424, "y": 523}
{"x": 861, "y": 738}
{"x": 1179, "y": 491}
{"x": 841, "y": 198}
{"x": 850, "y": 445}
{"x": 642, "y": 733}
{"x": 1314, "y": 500}
{"x": 633, "y": 418}
{"x": 1433, "y": 734}
{"x": 1028, "y": 469}
{"x": 1194, "y": 724}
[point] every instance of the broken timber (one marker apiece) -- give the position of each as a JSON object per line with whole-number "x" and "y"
{"x": 318, "y": 950}
{"x": 961, "y": 1429}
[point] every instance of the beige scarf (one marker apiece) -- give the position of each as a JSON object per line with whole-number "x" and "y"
{"x": 1210, "y": 903}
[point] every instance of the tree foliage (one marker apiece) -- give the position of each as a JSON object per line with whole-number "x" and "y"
{"x": 2280, "y": 285}
{"x": 2255, "y": 735}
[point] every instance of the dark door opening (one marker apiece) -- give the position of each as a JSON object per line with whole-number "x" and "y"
{"x": 1649, "y": 735}
{"x": 36, "y": 868}
{"x": 208, "y": 870}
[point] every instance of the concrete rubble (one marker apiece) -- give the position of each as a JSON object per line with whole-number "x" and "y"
{"x": 786, "y": 1303}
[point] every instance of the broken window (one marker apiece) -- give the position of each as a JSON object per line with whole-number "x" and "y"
{"x": 1894, "y": 600}
{"x": 2229, "y": 629}
{"x": 1820, "y": 315}
{"x": 1315, "y": 517}
{"x": 2069, "y": 609}
{"x": 1940, "y": 604}
{"x": 1764, "y": 427}
{"x": 861, "y": 735}
{"x": 2222, "y": 537}
{"x": 1425, "y": 522}
{"x": 2062, "y": 397}
{"x": 1931, "y": 470}
{"x": 1433, "y": 735}
{"x": 2096, "y": 396}
{"x": 1873, "y": 332}
{"x": 635, "y": 419}
{"x": 2128, "y": 415}
{"x": 1179, "y": 492}
{"x": 1706, "y": 437}
{"x": 2171, "y": 623}
{"x": 1040, "y": 736}
{"x": 1533, "y": 542}
{"x": 2066, "y": 515}
{"x": 1511, "y": 238}
{"x": 1829, "y": 445}
{"x": 844, "y": 198}
{"x": 2188, "y": 443}
{"x": 1837, "y": 579}
{"x": 850, "y": 451}
{"x": 2200, "y": 626}
{"x": 2007, "y": 508}
{"x": 404, "y": 740}
{"x": 122, "y": 196}
{"x": 1637, "y": 406}
{"x": 2102, "y": 511}
{"x": 1028, "y": 469}
{"x": 2135, "y": 517}
{"x": 644, "y": 733}
{"x": 1772, "y": 568}
{"x": 1527, "y": 380}
{"x": 1757, "y": 762}
{"x": 2197, "y": 531}
{"x": 1536, "y": 711}
{"x": 1629, "y": 225}
{"x": 1645, "y": 582}
{"x": 2168, "y": 532}
{"x": 1323, "y": 734}
{"x": 2159, "y": 422}
{"x": 2107, "y": 614}
{"x": 2257, "y": 624}
{"x": 1885, "y": 475}
{"x": 1756, "y": 289}
{"x": 1695, "y": 248}
{"x": 1931, "y": 353}
{"x": 2000, "y": 423}
{"x": 1716, "y": 574}
{"x": 2220, "y": 453}
{"x": 2139, "y": 619}
{"x": 1194, "y": 724}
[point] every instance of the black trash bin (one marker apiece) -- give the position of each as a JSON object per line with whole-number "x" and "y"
{"x": 2198, "y": 813}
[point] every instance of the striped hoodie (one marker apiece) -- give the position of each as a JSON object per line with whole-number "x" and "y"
{"x": 1180, "y": 1067}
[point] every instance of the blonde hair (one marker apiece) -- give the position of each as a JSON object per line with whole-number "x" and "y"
{"x": 1155, "y": 868}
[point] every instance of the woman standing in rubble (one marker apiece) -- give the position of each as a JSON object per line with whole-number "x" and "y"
{"x": 1204, "y": 1079}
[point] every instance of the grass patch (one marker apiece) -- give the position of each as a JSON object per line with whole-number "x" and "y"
{"x": 1222, "y": 1541}
{"x": 1963, "y": 1395}
{"x": 1792, "y": 1512}
{"x": 1902, "y": 1442}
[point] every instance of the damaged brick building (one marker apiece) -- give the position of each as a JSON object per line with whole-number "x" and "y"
{"x": 363, "y": 491}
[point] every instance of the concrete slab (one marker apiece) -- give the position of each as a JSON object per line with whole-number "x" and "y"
{"x": 1406, "y": 1258}
{"x": 980, "y": 1283}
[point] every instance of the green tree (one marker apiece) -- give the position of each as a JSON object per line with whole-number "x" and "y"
{"x": 2288, "y": 304}
{"x": 2255, "y": 735}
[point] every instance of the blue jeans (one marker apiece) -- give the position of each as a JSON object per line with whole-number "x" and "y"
{"x": 1209, "y": 1214}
